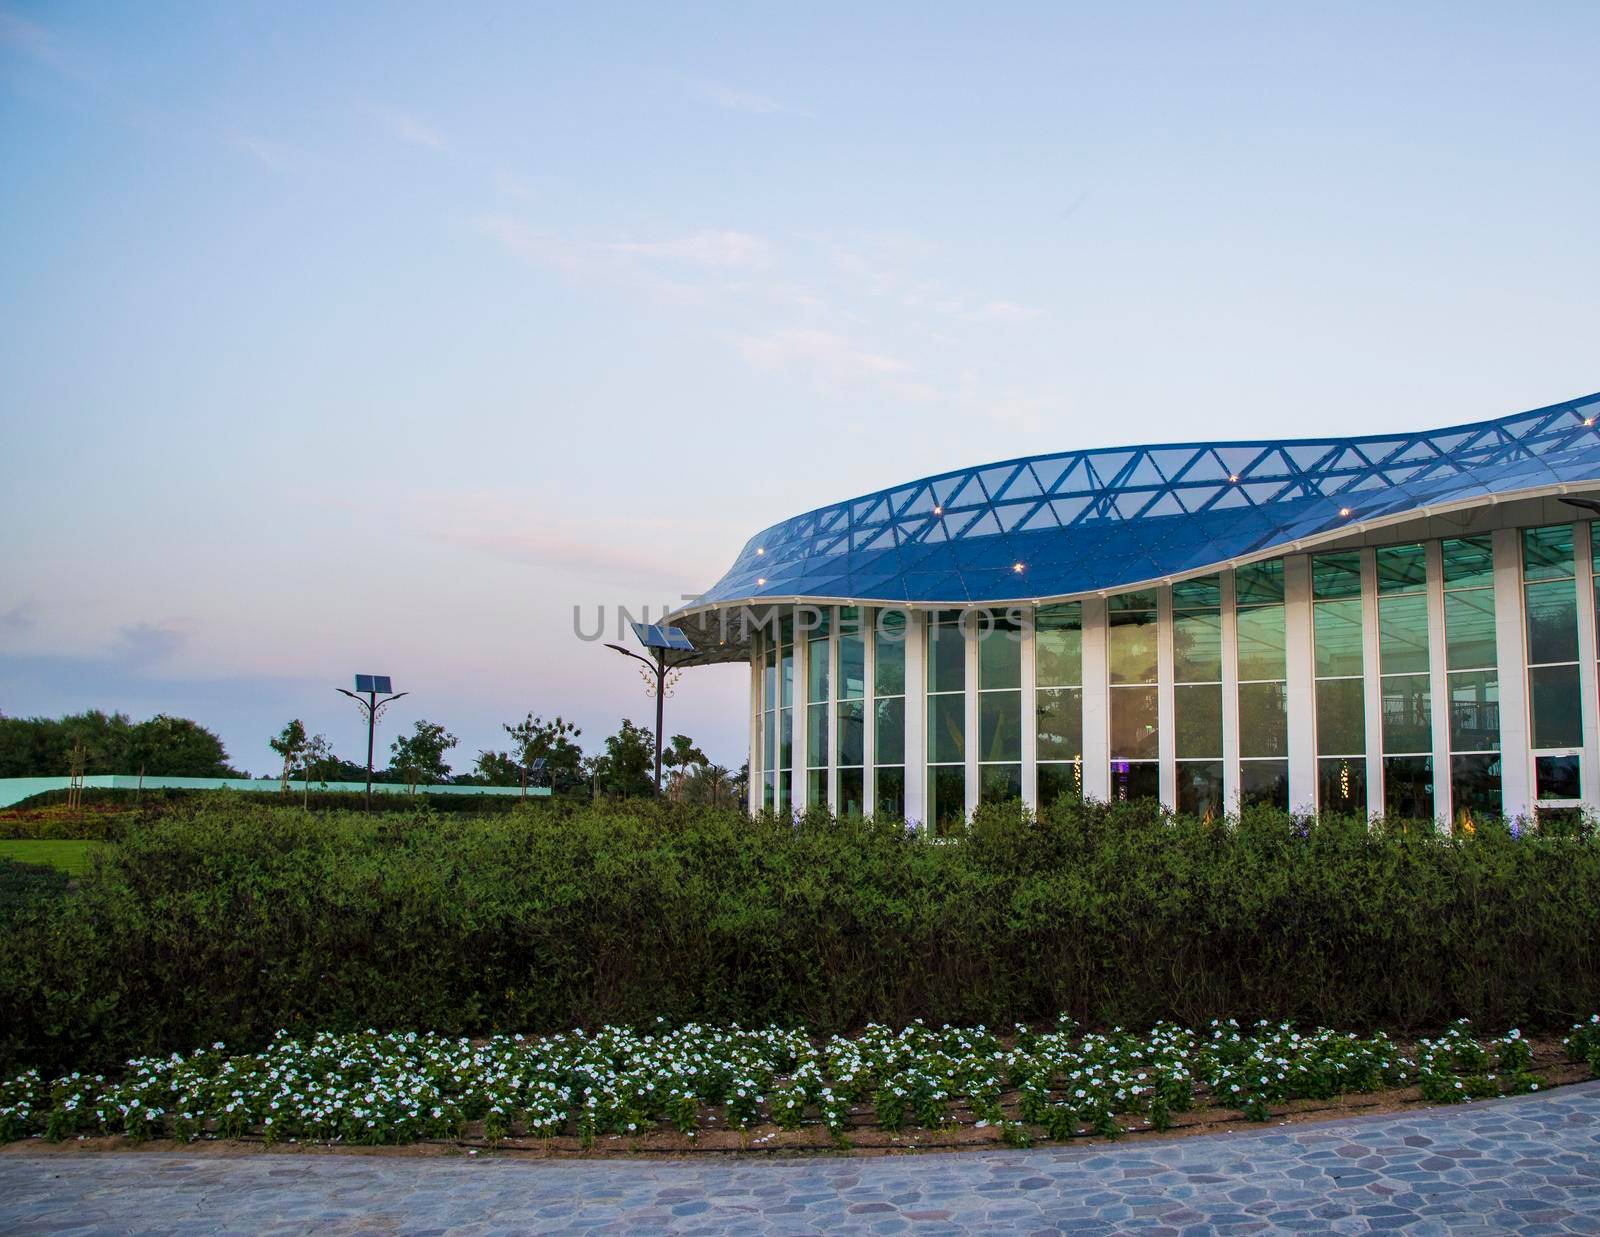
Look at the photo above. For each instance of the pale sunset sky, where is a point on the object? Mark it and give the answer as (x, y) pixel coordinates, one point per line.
(349, 337)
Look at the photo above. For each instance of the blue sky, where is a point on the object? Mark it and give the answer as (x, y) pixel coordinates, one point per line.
(339, 338)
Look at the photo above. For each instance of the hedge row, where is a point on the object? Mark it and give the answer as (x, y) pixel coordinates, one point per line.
(236, 920)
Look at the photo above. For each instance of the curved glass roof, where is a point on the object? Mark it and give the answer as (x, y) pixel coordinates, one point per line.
(1083, 521)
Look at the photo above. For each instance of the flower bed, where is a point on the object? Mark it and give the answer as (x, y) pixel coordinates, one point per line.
(1056, 1083)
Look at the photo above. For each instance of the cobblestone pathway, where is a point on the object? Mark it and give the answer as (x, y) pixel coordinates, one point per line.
(1529, 1165)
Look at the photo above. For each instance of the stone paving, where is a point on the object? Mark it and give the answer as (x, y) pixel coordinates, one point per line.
(1527, 1165)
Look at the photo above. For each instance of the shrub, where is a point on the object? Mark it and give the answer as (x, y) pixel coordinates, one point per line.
(232, 920)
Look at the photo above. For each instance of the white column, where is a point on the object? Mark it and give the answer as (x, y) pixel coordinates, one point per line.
(1030, 714)
(969, 648)
(1516, 757)
(1166, 702)
(1371, 682)
(917, 717)
(1589, 760)
(799, 783)
(1096, 704)
(1230, 696)
(1439, 687)
(835, 694)
(869, 710)
(1300, 684)
(752, 790)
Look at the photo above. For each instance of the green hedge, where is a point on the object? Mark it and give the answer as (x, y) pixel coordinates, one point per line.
(235, 920)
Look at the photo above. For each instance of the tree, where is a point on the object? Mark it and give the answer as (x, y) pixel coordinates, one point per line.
(289, 744)
(711, 785)
(177, 747)
(316, 757)
(420, 754)
(533, 738)
(496, 769)
(625, 768)
(680, 757)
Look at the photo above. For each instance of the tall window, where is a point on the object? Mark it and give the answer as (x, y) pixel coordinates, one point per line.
(784, 727)
(1197, 694)
(889, 711)
(999, 635)
(1550, 601)
(1405, 687)
(769, 723)
(1131, 658)
(852, 712)
(1471, 662)
(947, 720)
(1058, 701)
(816, 621)
(1341, 708)
(1263, 685)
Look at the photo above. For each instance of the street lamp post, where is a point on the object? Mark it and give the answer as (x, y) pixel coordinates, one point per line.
(659, 640)
(373, 685)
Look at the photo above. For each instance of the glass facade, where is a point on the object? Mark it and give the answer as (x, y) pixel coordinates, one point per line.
(1339, 660)
(1368, 679)
(1473, 679)
(1263, 684)
(1131, 658)
(1058, 701)
(1555, 711)
(947, 719)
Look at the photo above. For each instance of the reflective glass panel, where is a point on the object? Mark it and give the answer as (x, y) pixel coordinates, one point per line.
(817, 670)
(1058, 781)
(1547, 553)
(1135, 779)
(891, 736)
(1259, 583)
(1557, 777)
(999, 653)
(1342, 785)
(851, 782)
(1557, 716)
(1261, 643)
(1265, 782)
(1407, 715)
(1197, 647)
(947, 717)
(1263, 720)
(1475, 711)
(1408, 787)
(1058, 645)
(1200, 788)
(1552, 622)
(1341, 717)
(999, 783)
(1060, 712)
(1468, 561)
(817, 734)
(786, 677)
(1133, 723)
(852, 667)
(891, 791)
(1403, 633)
(1131, 646)
(817, 788)
(1197, 727)
(1201, 593)
(1338, 637)
(947, 656)
(999, 726)
(852, 721)
(1475, 788)
(1469, 629)
(1336, 575)
(947, 797)
(889, 653)
(1402, 569)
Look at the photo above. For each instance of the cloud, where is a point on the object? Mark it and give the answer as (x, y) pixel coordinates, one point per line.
(20, 618)
(275, 155)
(30, 39)
(409, 128)
(1007, 311)
(723, 249)
(833, 361)
(145, 644)
(732, 99)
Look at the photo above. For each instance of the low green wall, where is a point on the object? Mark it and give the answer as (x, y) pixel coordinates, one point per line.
(14, 790)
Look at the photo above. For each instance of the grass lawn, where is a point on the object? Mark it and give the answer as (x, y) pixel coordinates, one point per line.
(69, 856)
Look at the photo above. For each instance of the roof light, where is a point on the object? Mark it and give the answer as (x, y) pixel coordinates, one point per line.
(1344, 511)
(938, 511)
(1233, 477)
(1588, 420)
(1017, 567)
(761, 549)
(761, 583)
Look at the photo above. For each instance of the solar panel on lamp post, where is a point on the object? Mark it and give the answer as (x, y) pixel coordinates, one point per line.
(374, 685)
(660, 640)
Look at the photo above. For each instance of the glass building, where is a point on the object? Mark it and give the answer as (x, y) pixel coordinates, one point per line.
(1400, 625)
